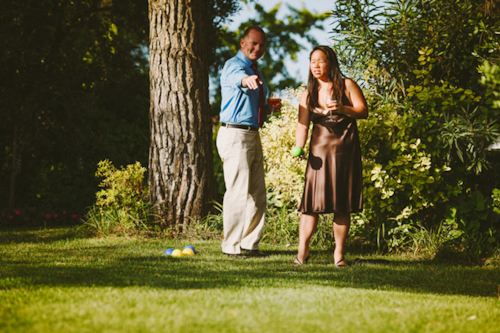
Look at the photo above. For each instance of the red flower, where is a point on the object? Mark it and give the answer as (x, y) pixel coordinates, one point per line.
(47, 216)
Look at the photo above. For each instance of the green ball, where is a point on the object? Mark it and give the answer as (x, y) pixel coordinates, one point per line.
(297, 151)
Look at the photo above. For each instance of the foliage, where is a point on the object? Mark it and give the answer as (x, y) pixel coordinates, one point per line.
(427, 89)
(76, 77)
(490, 78)
(401, 189)
(496, 200)
(442, 76)
(122, 205)
(208, 228)
(124, 187)
(77, 82)
(473, 226)
(400, 179)
(465, 127)
(281, 225)
(37, 219)
(392, 32)
(284, 174)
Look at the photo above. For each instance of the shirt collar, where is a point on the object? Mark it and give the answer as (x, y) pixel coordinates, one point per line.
(243, 58)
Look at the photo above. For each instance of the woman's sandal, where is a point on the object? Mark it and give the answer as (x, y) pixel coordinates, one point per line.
(297, 262)
(337, 264)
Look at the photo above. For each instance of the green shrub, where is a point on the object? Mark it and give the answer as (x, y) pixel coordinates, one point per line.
(462, 119)
(402, 183)
(124, 187)
(121, 206)
(284, 174)
(400, 180)
(472, 225)
(496, 200)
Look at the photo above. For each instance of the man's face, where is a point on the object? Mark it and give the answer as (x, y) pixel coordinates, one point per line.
(253, 45)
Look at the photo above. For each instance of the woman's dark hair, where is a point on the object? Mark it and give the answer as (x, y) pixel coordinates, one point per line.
(335, 76)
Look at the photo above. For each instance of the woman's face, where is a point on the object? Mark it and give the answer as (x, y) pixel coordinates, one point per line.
(320, 66)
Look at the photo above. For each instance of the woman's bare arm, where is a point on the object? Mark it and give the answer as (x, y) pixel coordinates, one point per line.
(359, 108)
(303, 122)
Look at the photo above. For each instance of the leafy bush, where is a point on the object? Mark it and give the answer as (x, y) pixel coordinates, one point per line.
(284, 174)
(473, 225)
(496, 200)
(399, 177)
(407, 186)
(490, 78)
(435, 92)
(465, 126)
(124, 187)
(121, 206)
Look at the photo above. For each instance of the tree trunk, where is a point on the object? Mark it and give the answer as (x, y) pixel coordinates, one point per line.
(181, 177)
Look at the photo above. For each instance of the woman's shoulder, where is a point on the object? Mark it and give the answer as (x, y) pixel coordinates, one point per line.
(350, 84)
(303, 98)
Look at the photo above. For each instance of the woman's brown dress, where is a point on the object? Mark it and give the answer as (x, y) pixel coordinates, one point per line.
(334, 179)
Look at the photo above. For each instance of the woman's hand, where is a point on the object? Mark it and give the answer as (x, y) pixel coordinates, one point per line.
(297, 152)
(329, 110)
(333, 107)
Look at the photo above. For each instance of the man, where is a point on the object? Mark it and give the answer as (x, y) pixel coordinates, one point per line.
(238, 142)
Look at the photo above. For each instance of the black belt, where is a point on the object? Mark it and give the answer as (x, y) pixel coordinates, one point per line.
(246, 127)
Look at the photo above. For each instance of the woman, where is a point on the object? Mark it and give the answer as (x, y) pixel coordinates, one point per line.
(333, 181)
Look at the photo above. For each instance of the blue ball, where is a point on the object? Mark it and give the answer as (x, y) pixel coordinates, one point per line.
(168, 252)
(190, 247)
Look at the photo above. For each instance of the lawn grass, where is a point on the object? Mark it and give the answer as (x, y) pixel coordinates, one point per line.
(52, 281)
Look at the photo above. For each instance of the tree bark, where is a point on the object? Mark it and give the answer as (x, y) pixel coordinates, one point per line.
(181, 177)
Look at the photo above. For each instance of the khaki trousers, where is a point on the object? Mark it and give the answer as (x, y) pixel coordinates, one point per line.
(244, 205)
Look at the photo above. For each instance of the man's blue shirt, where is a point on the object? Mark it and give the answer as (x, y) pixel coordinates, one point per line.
(239, 105)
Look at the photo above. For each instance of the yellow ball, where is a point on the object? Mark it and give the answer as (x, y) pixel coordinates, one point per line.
(177, 253)
(188, 252)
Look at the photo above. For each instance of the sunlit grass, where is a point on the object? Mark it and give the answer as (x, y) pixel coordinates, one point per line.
(52, 281)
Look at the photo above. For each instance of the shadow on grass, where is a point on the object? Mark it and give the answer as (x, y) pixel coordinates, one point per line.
(142, 264)
(104, 267)
(37, 235)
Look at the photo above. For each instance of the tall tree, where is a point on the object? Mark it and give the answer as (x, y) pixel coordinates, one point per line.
(181, 177)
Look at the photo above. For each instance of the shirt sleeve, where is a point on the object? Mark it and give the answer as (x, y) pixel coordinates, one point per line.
(235, 72)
